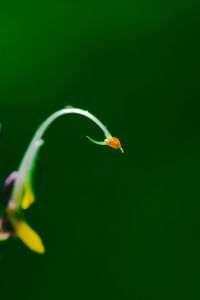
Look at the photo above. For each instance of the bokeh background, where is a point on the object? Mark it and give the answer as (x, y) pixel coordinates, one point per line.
(114, 226)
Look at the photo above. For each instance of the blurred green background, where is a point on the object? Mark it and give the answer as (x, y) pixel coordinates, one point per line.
(114, 226)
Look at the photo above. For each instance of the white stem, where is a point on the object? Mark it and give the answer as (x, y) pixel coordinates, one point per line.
(70, 110)
(27, 165)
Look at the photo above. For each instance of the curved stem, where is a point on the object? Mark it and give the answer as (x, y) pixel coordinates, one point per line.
(70, 110)
(27, 164)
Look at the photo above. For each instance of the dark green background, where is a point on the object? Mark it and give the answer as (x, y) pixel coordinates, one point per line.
(114, 226)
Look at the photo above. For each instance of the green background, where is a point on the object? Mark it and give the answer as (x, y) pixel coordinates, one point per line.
(114, 226)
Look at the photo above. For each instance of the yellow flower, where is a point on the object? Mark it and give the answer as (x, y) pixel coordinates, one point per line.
(18, 187)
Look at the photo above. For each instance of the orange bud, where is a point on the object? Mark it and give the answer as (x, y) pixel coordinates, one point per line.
(113, 142)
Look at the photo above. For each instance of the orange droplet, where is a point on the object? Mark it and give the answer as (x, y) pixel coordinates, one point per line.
(113, 142)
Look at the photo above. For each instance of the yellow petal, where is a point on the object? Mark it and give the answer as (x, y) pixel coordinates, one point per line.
(28, 236)
(28, 197)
